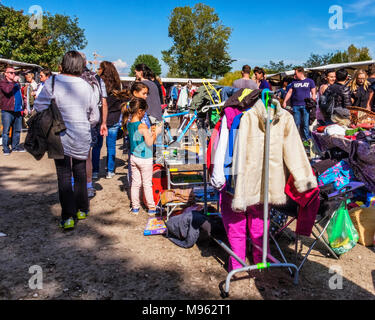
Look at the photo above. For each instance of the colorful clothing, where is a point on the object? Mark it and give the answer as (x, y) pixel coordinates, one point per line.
(341, 174)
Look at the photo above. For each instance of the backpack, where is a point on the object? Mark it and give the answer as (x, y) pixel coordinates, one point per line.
(94, 80)
(327, 103)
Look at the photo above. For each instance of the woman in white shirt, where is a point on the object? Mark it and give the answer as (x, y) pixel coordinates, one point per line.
(76, 101)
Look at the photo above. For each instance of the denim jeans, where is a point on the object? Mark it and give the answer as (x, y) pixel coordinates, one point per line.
(302, 115)
(96, 154)
(11, 119)
(227, 92)
(111, 147)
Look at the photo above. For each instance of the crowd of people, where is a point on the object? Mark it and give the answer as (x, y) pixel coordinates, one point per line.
(95, 106)
(329, 103)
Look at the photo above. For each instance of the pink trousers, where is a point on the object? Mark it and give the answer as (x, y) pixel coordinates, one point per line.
(236, 226)
(142, 170)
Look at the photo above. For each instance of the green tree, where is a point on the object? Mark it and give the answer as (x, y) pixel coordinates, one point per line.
(200, 43)
(276, 67)
(149, 60)
(229, 78)
(44, 46)
(317, 60)
(352, 54)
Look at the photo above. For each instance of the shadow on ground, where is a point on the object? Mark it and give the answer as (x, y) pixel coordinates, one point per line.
(77, 264)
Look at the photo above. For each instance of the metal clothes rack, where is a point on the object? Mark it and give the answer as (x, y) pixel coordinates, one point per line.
(267, 96)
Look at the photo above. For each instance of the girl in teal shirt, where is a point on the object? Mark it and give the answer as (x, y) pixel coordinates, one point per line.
(141, 140)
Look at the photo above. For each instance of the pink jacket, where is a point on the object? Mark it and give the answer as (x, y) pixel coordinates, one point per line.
(309, 203)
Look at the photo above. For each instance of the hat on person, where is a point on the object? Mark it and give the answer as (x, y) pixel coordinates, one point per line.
(342, 113)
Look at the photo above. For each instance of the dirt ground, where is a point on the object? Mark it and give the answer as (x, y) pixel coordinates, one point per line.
(107, 257)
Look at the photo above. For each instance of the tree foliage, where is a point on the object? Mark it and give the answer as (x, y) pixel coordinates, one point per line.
(276, 67)
(229, 78)
(352, 54)
(200, 43)
(317, 60)
(148, 59)
(45, 46)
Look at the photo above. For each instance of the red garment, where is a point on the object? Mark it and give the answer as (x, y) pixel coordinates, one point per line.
(321, 129)
(309, 204)
(211, 147)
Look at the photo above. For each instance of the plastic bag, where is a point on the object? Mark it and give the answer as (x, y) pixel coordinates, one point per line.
(342, 234)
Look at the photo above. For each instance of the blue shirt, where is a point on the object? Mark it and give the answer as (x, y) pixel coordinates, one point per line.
(264, 85)
(301, 91)
(17, 98)
(174, 93)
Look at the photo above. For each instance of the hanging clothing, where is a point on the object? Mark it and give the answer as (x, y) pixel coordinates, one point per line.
(202, 97)
(228, 163)
(218, 176)
(286, 148)
(183, 101)
(211, 149)
(231, 113)
(309, 204)
(243, 99)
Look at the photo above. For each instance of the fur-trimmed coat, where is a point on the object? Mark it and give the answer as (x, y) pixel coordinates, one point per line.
(286, 152)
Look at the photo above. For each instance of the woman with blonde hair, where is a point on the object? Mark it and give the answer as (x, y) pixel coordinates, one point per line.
(360, 89)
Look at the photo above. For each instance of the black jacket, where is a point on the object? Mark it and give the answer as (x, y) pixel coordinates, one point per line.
(183, 230)
(114, 110)
(361, 97)
(44, 133)
(342, 95)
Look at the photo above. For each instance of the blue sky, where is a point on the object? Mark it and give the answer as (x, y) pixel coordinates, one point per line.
(262, 30)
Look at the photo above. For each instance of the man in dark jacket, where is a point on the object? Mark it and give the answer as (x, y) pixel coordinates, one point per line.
(11, 106)
(340, 90)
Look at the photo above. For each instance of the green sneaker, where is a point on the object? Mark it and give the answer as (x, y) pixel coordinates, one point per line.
(67, 224)
(82, 215)
(306, 144)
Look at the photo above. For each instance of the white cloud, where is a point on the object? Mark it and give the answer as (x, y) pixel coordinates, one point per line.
(362, 8)
(119, 64)
(349, 25)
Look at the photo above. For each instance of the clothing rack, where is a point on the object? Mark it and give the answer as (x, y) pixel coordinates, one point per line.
(267, 96)
(212, 106)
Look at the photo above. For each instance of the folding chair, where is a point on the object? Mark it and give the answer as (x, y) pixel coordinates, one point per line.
(329, 204)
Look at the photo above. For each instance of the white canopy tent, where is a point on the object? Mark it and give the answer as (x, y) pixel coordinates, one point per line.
(18, 64)
(349, 66)
(172, 80)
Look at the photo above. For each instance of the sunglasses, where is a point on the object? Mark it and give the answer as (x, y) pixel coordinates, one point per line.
(10, 72)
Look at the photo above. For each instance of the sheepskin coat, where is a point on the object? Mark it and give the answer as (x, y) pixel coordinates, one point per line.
(286, 153)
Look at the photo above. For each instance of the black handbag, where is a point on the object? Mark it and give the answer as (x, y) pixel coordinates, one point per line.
(44, 131)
